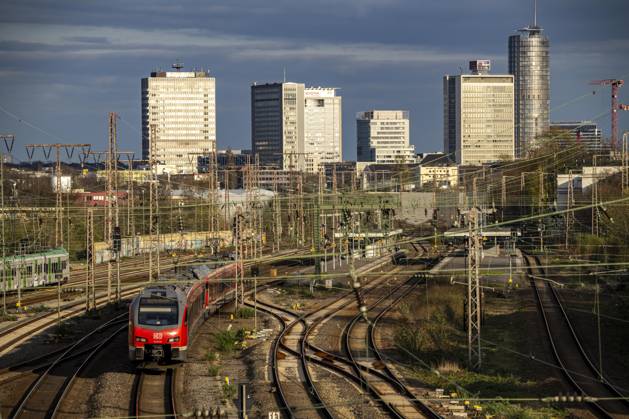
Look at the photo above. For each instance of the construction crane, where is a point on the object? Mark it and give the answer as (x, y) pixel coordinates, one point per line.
(615, 84)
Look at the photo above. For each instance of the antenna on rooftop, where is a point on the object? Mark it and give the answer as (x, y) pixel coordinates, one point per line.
(178, 65)
(534, 13)
(284, 74)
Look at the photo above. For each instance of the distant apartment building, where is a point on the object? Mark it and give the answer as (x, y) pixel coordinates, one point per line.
(277, 124)
(569, 134)
(179, 117)
(383, 137)
(323, 134)
(478, 116)
(437, 169)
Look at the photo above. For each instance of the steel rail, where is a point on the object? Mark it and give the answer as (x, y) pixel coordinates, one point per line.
(19, 409)
(54, 410)
(595, 406)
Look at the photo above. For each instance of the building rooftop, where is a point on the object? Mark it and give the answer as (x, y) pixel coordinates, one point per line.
(436, 159)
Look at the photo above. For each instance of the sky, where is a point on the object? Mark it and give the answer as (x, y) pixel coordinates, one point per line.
(65, 64)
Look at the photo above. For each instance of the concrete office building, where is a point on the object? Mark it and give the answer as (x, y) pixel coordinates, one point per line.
(277, 124)
(179, 108)
(383, 137)
(323, 137)
(478, 116)
(529, 63)
(569, 134)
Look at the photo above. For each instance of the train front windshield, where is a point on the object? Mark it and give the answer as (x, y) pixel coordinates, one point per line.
(158, 312)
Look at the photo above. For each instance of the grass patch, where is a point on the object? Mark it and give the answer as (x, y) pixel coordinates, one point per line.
(62, 330)
(229, 391)
(40, 308)
(226, 341)
(500, 409)
(211, 356)
(213, 370)
(7, 317)
(451, 378)
(245, 313)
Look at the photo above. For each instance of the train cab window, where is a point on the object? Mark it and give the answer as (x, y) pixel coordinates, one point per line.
(158, 311)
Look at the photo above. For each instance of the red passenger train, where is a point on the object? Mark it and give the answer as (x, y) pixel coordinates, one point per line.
(164, 318)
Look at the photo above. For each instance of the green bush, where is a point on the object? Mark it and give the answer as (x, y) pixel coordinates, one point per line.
(211, 356)
(229, 391)
(225, 341)
(504, 410)
(245, 313)
(213, 370)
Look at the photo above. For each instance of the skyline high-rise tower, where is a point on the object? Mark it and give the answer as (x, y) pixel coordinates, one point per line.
(277, 124)
(478, 116)
(323, 134)
(383, 137)
(181, 106)
(529, 63)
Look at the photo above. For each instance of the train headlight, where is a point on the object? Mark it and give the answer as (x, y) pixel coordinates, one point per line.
(140, 339)
(174, 339)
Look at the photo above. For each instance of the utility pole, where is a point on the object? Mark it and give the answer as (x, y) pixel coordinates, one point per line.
(9, 140)
(625, 161)
(153, 205)
(300, 205)
(595, 209)
(474, 290)
(212, 201)
(69, 149)
(90, 286)
(569, 204)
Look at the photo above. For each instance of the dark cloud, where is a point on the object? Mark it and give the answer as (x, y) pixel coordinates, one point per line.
(65, 64)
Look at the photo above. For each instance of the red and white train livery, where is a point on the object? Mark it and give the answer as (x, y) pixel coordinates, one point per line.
(164, 318)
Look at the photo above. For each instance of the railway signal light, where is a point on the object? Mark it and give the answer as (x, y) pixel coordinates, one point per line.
(117, 240)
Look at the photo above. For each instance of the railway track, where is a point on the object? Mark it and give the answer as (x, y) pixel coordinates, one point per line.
(154, 394)
(294, 341)
(569, 352)
(44, 396)
(385, 382)
(23, 330)
(129, 273)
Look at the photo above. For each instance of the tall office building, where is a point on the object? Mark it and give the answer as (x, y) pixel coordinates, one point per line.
(383, 137)
(478, 116)
(569, 134)
(529, 62)
(277, 124)
(323, 136)
(179, 110)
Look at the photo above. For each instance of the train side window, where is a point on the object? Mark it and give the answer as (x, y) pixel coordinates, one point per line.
(185, 317)
(64, 264)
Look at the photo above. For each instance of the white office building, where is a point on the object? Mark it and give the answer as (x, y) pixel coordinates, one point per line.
(323, 136)
(479, 116)
(179, 116)
(384, 137)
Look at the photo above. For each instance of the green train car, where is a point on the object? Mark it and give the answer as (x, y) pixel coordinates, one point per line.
(36, 269)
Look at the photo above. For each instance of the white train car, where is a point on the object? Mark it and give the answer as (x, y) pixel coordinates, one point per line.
(36, 269)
